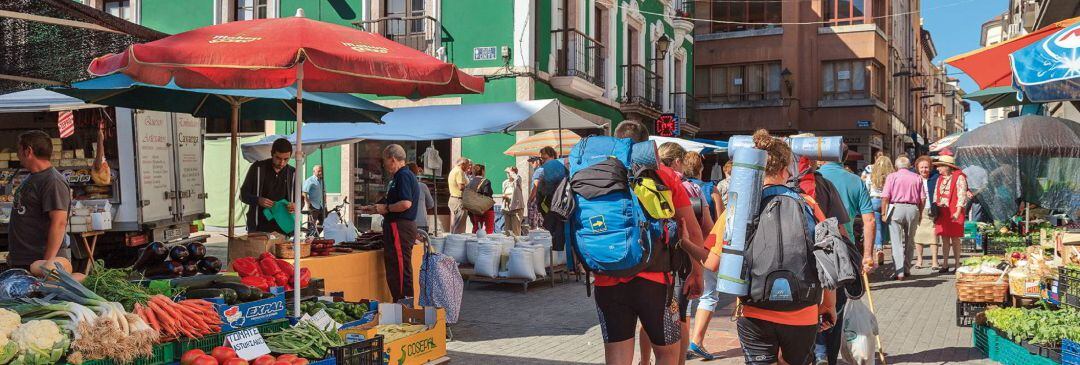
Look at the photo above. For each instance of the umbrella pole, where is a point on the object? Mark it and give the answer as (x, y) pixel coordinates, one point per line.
(435, 182)
(232, 165)
(297, 184)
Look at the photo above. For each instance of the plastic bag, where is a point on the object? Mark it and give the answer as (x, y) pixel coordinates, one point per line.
(487, 259)
(860, 327)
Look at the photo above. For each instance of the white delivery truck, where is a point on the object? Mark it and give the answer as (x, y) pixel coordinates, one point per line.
(156, 191)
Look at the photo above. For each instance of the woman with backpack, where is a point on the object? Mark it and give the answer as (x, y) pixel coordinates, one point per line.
(480, 184)
(767, 334)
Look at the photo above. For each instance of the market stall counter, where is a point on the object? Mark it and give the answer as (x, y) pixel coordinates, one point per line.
(359, 274)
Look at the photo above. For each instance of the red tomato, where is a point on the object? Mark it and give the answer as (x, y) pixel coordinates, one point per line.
(264, 360)
(205, 360)
(279, 362)
(300, 361)
(190, 356)
(287, 357)
(223, 354)
(235, 361)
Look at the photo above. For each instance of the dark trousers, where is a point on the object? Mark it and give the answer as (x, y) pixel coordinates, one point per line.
(398, 238)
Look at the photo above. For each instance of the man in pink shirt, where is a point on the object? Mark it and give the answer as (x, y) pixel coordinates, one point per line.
(901, 208)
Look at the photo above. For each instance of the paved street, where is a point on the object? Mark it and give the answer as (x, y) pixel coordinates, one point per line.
(502, 325)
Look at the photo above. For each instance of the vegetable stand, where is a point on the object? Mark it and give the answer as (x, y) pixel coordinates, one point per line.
(359, 275)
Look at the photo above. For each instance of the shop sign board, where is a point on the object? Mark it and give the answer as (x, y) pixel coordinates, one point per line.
(484, 53)
(863, 124)
(242, 315)
(668, 126)
(876, 142)
(155, 165)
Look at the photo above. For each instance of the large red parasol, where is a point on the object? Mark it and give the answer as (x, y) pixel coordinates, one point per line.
(989, 66)
(285, 52)
(265, 53)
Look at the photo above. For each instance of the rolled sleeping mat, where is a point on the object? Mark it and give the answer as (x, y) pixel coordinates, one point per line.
(736, 143)
(744, 195)
(818, 148)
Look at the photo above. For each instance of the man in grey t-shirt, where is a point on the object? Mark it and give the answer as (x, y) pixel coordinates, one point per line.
(39, 212)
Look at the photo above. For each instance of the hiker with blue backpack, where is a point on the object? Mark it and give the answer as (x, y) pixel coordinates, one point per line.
(787, 302)
(631, 224)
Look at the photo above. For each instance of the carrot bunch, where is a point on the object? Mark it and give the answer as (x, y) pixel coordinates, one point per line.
(192, 318)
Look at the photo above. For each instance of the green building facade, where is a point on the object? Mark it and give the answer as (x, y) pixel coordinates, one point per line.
(609, 60)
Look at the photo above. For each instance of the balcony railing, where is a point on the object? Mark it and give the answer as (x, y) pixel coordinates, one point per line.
(642, 87)
(580, 56)
(422, 33)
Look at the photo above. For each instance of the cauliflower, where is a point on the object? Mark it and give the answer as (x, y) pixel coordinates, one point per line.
(9, 321)
(39, 342)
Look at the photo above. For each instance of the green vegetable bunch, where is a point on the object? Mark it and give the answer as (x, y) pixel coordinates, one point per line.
(980, 260)
(1041, 327)
(115, 286)
(305, 340)
(341, 312)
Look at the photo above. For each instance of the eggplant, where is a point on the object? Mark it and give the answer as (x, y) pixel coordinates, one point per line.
(153, 253)
(209, 265)
(190, 268)
(178, 253)
(196, 251)
(167, 269)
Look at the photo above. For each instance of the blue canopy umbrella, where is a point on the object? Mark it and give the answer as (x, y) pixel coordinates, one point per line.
(1049, 69)
(278, 104)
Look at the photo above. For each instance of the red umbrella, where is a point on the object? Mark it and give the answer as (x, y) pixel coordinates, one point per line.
(989, 66)
(282, 52)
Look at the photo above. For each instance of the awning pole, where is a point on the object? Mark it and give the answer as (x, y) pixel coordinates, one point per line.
(435, 182)
(235, 104)
(297, 187)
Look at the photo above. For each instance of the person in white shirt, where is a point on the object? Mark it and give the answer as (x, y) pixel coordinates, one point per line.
(513, 204)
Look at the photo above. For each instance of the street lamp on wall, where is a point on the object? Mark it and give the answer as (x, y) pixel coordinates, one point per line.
(786, 76)
(662, 46)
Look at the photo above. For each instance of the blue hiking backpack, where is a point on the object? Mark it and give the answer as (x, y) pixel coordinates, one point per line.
(609, 230)
(707, 188)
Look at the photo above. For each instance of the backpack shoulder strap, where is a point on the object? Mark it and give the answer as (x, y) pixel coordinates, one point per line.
(814, 207)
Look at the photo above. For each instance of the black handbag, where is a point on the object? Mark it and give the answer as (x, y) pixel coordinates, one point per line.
(933, 210)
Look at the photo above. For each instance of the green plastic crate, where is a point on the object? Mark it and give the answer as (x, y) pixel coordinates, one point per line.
(164, 353)
(1007, 352)
(981, 338)
(210, 342)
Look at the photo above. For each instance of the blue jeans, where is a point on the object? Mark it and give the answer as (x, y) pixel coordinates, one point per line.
(709, 295)
(828, 342)
(879, 227)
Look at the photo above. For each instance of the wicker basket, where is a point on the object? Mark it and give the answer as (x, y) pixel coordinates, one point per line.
(982, 292)
(284, 250)
(979, 278)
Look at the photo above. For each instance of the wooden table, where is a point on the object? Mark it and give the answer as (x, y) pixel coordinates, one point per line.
(88, 240)
(359, 274)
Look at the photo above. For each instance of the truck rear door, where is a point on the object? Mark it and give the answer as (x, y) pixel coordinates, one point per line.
(189, 161)
(155, 167)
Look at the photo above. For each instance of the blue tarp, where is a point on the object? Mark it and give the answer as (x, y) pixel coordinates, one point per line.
(1049, 69)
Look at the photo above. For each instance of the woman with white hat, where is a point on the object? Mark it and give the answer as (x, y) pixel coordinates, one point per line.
(951, 198)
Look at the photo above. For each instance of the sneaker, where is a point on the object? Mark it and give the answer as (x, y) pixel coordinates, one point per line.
(700, 351)
(880, 257)
(821, 362)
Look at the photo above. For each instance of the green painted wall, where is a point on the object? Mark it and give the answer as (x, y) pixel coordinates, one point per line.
(171, 16)
(331, 161)
(331, 11)
(488, 149)
(477, 23)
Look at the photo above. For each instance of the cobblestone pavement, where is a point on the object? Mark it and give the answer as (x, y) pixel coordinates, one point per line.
(502, 325)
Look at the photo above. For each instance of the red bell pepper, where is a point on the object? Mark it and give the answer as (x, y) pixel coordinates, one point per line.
(256, 282)
(269, 266)
(266, 255)
(285, 266)
(281, 279)
(246, 266)
(305, 277)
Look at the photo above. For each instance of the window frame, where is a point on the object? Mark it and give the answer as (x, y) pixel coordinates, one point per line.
(236, 9)
(873, 82)
(729, 92)
(771, 12)
(129, 9)
(831, 10)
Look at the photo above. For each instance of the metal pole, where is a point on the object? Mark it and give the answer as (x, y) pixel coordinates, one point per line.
(232, 165)
(435, 192)
(297, 184)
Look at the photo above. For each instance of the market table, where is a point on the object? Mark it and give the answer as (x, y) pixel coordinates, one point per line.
(359, 274)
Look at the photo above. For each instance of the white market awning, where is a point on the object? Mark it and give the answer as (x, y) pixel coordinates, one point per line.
(40, 100)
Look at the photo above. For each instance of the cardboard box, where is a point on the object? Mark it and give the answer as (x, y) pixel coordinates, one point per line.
(420, 348)
(67, 154)
(79, 153)
(253, 244)
(56, 140)
(238, 316)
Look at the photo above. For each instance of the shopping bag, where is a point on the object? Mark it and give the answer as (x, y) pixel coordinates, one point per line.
(476, 203)
(860, 327)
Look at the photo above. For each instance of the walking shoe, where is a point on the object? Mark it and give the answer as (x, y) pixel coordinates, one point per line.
(880, 257)
(821, 362)
(700, 351)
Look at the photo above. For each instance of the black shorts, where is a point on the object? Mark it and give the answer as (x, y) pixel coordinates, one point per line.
(682, 299)
(621, 306)
(762, 340)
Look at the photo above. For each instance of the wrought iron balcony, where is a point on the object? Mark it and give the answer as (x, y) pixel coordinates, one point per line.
(642, 88)
(422, 33)
(580, 62)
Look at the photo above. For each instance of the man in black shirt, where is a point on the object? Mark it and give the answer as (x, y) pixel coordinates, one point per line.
(39, 212)
(398, 209)
(267, 182)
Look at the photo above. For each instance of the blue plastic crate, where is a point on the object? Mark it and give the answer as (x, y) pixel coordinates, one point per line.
(1070, 352)
(327, 361)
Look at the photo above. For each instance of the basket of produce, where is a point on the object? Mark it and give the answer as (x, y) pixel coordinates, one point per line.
(982, 292)
(157, 261)
(981, 280)
(349, 315)
(1031, 336)
(1032, 265)
(980, 269)
(307, 340)
(284, 250)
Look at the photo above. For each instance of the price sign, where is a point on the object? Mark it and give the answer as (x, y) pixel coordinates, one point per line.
(323, 320)
(248, 344)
